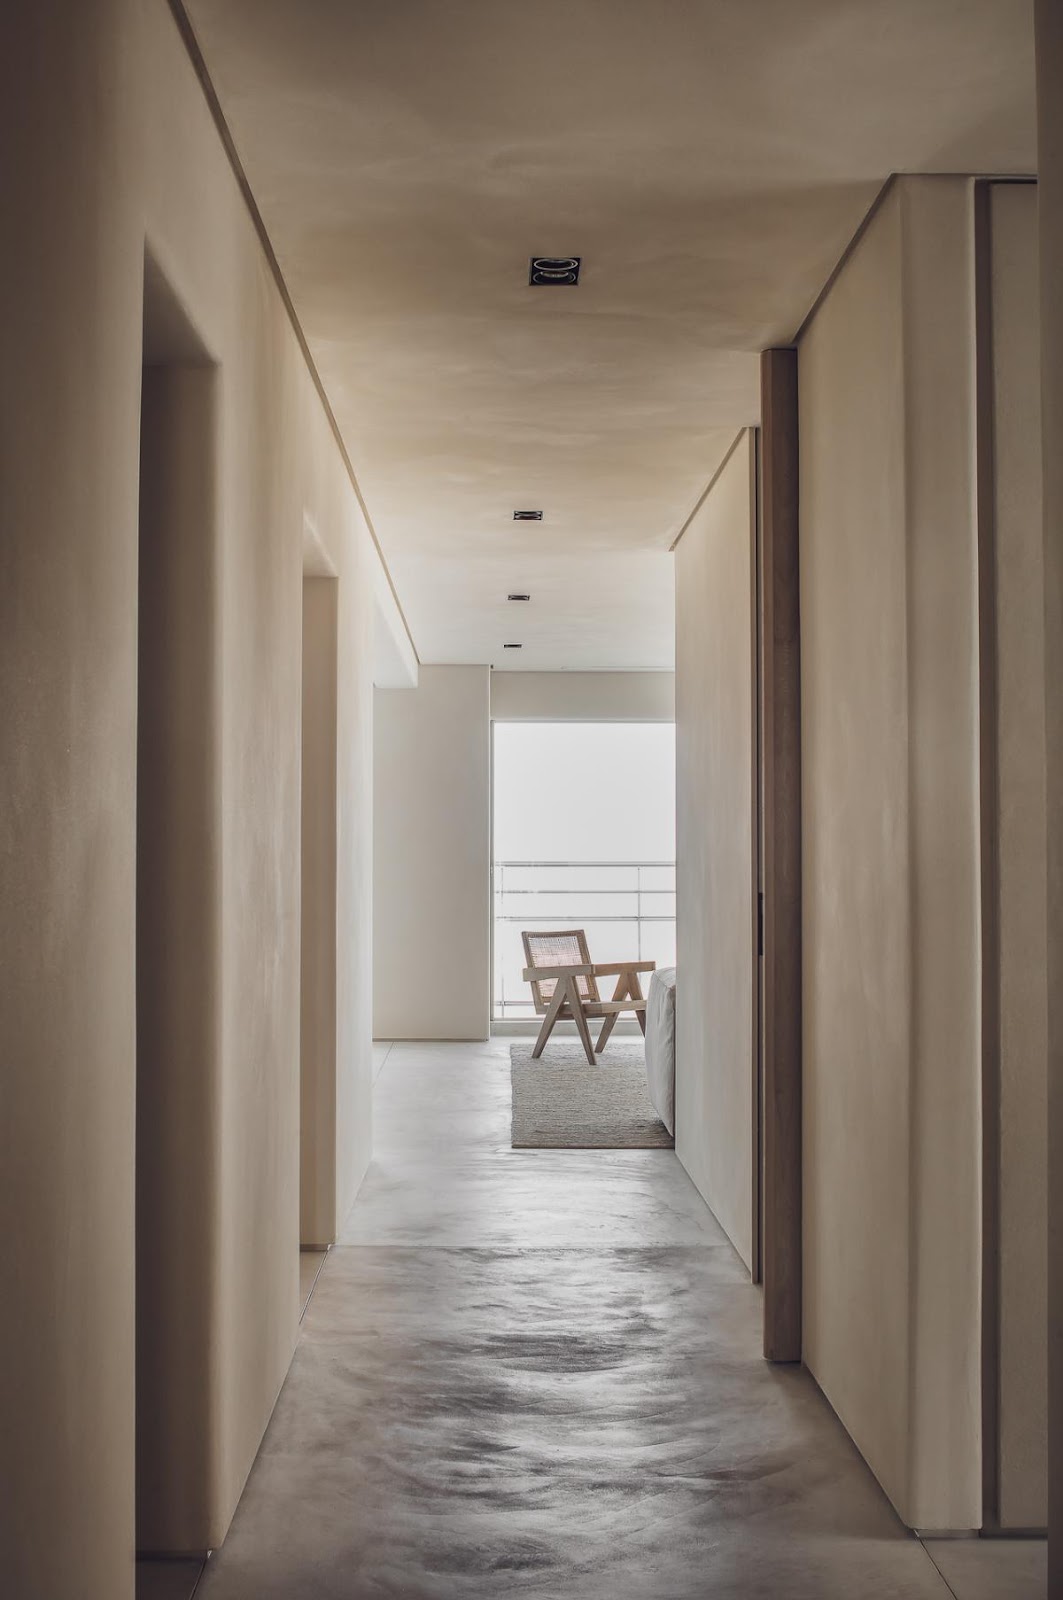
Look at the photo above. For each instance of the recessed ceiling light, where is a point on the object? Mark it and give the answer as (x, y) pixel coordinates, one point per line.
(547, 272)
(527, 516)
(513, 647)
(518, 596)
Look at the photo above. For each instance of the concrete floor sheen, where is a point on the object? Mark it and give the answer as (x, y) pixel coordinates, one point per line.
(538, 1374)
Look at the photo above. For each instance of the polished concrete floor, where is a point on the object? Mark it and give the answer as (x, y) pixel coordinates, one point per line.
(536, 1374)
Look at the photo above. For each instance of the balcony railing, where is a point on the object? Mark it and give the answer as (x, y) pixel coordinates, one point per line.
(626, 907)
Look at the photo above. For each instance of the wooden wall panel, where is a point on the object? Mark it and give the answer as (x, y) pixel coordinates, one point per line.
(780, 810)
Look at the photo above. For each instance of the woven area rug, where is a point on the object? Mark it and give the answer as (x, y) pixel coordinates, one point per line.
(561, 1103)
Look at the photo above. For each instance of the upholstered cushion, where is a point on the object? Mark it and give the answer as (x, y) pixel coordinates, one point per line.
(660, 1045)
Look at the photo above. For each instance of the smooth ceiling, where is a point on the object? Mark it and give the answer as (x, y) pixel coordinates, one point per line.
(709, 159)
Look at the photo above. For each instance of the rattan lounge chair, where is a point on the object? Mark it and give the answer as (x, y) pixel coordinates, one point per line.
(563, 984)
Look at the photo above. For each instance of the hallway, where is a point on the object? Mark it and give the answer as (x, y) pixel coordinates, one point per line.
(385, 383)
(492, 1393)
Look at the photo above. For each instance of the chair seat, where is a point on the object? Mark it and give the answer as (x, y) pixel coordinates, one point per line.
(598, 1008)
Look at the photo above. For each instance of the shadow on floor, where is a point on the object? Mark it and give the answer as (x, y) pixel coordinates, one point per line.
(167, 1580)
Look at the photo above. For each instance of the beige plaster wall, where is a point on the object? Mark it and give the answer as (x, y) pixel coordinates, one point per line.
(432, 857)
(1023, 1041)
(358, 567)
(890, 853)
(68, 515)
(583, 696)
(112, 127)
(715, 870)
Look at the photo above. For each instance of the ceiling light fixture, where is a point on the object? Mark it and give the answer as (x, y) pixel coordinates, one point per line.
(554, 272)
(513, 647)
(527, 516)
(518, 596)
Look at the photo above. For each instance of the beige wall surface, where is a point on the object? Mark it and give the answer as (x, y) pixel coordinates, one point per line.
(855, 850)
(432, 857)
(1023, 1039)
(108, 120)
(715, 871)
(358, 568)
(583, 696)
(890, 853)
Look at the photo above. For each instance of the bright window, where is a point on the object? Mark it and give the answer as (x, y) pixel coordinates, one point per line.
(584, 837)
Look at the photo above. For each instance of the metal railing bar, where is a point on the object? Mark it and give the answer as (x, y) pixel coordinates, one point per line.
(586, 892)
(634, 865)
(526, 920)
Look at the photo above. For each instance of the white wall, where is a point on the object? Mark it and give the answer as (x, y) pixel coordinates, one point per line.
(891, 1000)
(583, 696)
(715, 904)
(1021, 809)
(432, 857)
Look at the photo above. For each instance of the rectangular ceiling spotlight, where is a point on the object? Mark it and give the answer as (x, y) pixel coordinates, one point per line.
(554, 272)
(527, 516)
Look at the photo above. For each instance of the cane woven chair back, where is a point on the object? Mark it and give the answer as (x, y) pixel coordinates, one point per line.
(565, 949)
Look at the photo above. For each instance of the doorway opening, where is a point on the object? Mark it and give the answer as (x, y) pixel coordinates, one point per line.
(177, 882)
(318, 974)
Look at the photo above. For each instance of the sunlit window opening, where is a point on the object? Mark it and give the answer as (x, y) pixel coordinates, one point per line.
(584, 837)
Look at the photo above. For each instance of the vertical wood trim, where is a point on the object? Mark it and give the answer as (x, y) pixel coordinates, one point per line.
(989, 858)
(756, 1233)
(1048, 34)
(780, 804)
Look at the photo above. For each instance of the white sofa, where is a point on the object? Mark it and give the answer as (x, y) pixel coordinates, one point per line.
(660, 1045)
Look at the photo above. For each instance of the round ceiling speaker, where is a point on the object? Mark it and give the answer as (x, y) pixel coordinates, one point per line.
(550, 271)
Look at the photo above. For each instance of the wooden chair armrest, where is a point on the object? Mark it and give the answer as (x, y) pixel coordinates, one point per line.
(613, 969)
(535, 974)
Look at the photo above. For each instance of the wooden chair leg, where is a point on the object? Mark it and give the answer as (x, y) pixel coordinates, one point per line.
(621, 992)
(635, 991)
(552, 1011)
(607, 1028)
(579, 1016)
